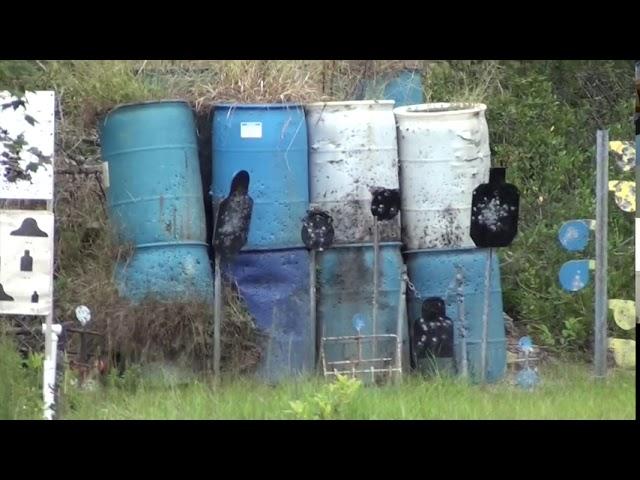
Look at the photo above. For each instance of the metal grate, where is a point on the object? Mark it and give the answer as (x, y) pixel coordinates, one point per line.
(375, 366)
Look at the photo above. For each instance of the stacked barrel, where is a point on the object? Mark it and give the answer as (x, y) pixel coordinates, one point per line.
(271, 271)
(405, 87)
(330, 155)
(353, 149)
(444, 155)
(155, 201)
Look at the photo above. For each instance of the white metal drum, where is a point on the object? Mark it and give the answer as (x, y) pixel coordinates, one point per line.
(352, 148)
(444, 155)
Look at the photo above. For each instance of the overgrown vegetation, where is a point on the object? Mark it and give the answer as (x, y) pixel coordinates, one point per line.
(566, 392)
(542, 118)
(20, 382)
(328, 402)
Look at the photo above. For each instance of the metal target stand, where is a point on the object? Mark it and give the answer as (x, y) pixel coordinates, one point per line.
(375, 366)
(391, 367)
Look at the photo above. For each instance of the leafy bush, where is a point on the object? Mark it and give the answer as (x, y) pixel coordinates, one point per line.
(20, 383)
(329, 402)
(542, 120)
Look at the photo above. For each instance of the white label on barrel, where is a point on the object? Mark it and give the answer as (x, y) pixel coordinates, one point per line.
(251, 130)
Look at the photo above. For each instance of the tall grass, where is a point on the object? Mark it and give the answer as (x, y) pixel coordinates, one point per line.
(567, 392)
(20, 385)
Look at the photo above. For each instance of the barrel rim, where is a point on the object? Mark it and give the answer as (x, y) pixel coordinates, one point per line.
(361, 245)
(452, 250)
(149, 102)
(171, 244)
(345, 103)
(248, 106)
(454, 108)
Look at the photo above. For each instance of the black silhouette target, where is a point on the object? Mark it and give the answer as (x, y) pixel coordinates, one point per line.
(385, 203)
(29, 228)
(26, 262)
(234, 217)
(433, 331)
(4, 296)
(317, 230)
(494, 211)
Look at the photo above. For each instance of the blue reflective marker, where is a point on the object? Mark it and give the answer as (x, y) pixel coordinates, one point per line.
(358, 322)
(574, 275)
(574, 235)
(525, 344)
(527, 379)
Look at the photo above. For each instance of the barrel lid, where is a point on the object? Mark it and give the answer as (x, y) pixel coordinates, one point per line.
(269, 106)
(364, 245)
(442, 108)
(349, 103)
(184, 243)
(149, 102)
(444, 250)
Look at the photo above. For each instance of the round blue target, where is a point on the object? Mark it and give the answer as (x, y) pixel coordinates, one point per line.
(574, 275)
(574, 235)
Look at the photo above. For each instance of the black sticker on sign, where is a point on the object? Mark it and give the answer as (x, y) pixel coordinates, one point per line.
(4, 297)
(29, 228)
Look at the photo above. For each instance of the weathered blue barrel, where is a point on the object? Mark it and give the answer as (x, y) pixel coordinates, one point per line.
(155, 201)
(405, 88)
(269, 142)
(345, 290)
(168, 271)
(433, 274)
(155, 191)
(275, 288)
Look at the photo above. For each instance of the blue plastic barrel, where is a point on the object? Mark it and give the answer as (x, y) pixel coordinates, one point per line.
(156, 203)
(433, 274)
(405, 88)
(155, 191)
(275, 287)
(269, 142)
(168, 272)
(345, 291)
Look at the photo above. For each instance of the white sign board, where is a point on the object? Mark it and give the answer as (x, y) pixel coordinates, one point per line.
(26, 249)
(32, 125)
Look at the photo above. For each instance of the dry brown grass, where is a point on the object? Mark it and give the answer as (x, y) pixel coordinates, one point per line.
(151, 331)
